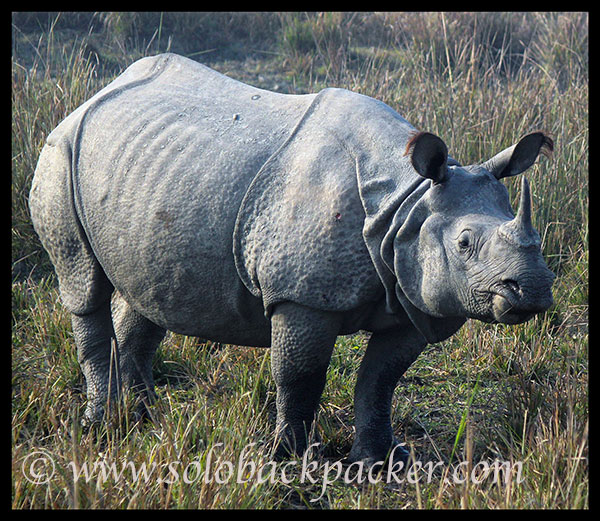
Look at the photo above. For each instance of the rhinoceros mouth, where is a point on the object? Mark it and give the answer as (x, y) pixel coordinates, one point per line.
(505, 310)
(501, 306)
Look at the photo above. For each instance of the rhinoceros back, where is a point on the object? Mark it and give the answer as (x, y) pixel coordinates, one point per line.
(161, 162)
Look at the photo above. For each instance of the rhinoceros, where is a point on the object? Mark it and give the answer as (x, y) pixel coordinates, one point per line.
(180, 199)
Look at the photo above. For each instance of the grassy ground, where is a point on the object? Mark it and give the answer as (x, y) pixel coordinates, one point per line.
(491, 393)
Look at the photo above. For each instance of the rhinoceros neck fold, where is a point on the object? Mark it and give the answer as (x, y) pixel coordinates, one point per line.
(393, 197)
(383, 219)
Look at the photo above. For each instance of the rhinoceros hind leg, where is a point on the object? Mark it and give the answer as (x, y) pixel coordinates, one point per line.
(137, 342)
(302, 340)
(389, 354)
(93, 334)
(84, 288)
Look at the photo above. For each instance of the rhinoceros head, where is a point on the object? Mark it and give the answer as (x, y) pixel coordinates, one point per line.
(473, 256)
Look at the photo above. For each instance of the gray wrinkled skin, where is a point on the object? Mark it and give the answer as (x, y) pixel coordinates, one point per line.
(180, 199)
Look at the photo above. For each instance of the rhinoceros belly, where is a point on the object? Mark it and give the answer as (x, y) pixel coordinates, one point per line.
(159, 174)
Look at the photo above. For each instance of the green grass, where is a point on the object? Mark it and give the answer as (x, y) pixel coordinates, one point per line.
(516, 394)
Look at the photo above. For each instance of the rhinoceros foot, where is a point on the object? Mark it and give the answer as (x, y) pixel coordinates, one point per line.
(372, 454)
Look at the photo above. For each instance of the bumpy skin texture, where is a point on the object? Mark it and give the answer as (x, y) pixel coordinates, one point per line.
(138, 339)
(389, 354)
(212, 208)
(302, 342)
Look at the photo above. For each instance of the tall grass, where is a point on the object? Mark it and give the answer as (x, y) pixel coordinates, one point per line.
(55, 83)
(517, 394)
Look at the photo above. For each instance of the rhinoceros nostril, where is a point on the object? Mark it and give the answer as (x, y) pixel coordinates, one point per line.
(512, 285)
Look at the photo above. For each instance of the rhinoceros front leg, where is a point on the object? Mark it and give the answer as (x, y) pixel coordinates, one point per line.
(137, 342)
(389, 354)
(302, 340)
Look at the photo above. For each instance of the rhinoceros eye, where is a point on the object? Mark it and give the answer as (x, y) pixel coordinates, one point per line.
(464, 240)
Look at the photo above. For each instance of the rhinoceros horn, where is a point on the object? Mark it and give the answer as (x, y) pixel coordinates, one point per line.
(519, 230)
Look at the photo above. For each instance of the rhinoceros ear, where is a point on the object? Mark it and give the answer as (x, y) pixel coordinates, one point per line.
(428, 155)
(520, 157)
